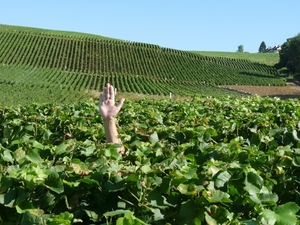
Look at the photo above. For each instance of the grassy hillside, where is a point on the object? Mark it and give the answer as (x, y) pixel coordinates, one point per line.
(33, 30)
(67, 63)
(265, 58)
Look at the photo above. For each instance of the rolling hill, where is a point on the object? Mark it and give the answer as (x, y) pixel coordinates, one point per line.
(38, 65)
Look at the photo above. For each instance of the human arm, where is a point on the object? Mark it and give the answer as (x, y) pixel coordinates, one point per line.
(108, 110)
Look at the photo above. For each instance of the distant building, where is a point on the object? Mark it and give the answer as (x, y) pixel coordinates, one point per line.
(275, 49)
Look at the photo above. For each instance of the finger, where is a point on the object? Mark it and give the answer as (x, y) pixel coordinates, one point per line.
(111, 92)
(106, 91)
(101, 100)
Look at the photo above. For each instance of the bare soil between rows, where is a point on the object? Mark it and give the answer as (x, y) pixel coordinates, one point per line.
(292, 90)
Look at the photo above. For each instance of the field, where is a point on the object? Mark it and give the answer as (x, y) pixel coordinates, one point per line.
(292, 90)
(268, 59)
(220, 151)
(46, 60)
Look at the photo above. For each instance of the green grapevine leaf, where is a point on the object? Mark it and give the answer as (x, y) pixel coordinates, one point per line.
(19, 155)
(34, 156)
(61, 149)
(5, 183)
(79, 167)
(8, 199)
(153, 138)
(287, 213)
(54, 183)
(146, 169)
(6, 156)
(295, 135)
(282, 215)
(37, 145)
(32, 216)
(268, 217)
(217, 196)
(63, 218)
(254, 179)
(222, 178)
(115, 186)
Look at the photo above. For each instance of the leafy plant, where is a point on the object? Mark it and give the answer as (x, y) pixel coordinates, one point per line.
(204, 161)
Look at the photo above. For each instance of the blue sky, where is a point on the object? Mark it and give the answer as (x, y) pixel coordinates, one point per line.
(204, 25)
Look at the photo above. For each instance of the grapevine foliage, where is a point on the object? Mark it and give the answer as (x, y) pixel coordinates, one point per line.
(205, 161)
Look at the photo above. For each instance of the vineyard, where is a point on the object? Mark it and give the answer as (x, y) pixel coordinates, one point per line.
(217, 157)
(204, 161)
(67, 61)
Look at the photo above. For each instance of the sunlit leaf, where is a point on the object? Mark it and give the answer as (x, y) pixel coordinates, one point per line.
(19, 155)
(32, 216)
(63, 218)
(222, 178)
(217, 196)
(146, 169)
(60, 149)
(6, 156)
(282, 215)
(295, 135)
(287, 213)
(157, 214)
(34, 156)
(153, 138)
(37, 145)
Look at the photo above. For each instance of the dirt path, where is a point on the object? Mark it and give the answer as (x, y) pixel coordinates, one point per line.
(292, 90)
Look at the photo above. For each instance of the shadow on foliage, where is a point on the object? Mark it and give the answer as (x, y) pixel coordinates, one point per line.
(287, 96)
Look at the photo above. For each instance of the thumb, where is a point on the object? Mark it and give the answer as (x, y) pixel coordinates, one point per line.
(120, 104)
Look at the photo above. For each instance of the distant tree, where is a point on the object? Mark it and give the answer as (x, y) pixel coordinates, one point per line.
(262, 47)
(289, 56)
(240, 48)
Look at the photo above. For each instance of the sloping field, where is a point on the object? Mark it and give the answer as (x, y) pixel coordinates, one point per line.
(70, 61)
(264, 58)
(292, 90)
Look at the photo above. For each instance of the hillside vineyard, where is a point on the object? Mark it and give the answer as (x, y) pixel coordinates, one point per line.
(202, 160)
(73, 61)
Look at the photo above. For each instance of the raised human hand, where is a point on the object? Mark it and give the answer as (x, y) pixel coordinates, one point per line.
(107, 107)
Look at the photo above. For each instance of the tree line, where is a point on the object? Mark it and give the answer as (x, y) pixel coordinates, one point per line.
(289, 56)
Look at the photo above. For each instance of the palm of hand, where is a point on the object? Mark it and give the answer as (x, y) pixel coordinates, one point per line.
(107, 106)
(108, 109)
